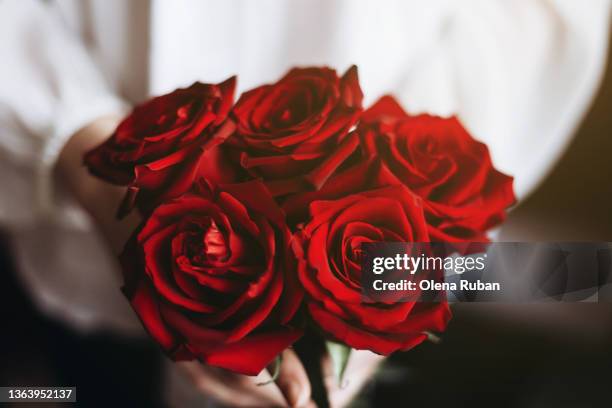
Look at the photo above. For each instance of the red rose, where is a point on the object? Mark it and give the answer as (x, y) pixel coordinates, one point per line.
(362, 175)
(212, 278)
(329, 253)
(293, 133)
(159, 148)
(463, 194)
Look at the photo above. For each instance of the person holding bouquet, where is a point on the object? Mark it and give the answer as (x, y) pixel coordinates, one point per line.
(519, 76)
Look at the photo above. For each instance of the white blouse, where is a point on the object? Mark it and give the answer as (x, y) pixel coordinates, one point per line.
(519, 73)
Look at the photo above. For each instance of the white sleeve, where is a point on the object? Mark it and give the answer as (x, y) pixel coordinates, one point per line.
(49, 88)
(520, 74)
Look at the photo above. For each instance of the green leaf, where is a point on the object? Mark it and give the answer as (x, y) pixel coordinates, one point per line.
(432, 337)
(339, 354)
(274, 372)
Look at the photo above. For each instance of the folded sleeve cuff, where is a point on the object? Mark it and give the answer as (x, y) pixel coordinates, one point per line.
(69, 121)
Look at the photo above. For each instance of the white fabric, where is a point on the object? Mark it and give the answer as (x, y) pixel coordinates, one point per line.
(519, 73)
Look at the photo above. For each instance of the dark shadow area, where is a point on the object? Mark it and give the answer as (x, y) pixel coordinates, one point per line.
(108, 371)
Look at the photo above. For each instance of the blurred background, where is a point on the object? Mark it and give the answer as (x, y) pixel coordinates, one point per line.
(540, 355)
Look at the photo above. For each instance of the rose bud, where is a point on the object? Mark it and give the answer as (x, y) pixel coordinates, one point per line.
(212, 278)
(329, 258)
(158, 150)
(463, 194)
(295, 133)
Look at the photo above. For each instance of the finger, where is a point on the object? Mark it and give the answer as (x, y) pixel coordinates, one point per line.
(361, 367)
(233, 389)
(260, 385)
(292, 380)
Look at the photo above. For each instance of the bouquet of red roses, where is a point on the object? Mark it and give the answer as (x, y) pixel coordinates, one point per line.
(254, 213)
